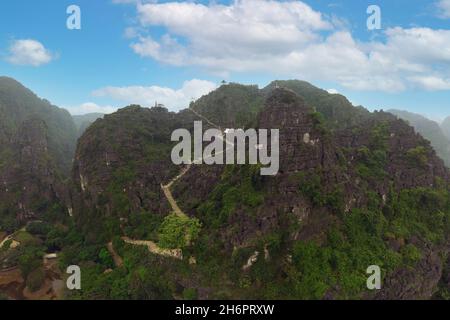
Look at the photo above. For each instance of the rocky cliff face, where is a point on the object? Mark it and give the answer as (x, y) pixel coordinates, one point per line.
(31, 185)
(324, 174)
(340, 159)
(18, 104)
(121, 162)
(37, 148)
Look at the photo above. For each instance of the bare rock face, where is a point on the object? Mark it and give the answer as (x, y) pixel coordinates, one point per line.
(30, 184)
(37, 143)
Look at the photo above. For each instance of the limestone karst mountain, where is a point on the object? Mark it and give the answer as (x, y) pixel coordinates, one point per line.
(37, 146)
(355, 188)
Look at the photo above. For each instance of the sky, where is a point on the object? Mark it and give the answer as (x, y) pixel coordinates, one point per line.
(173, 52)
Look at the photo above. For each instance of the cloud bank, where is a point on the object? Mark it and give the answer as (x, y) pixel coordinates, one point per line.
(173, 99)
(290, 39)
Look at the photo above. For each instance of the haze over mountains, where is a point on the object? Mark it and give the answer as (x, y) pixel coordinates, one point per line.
(82, 122)
(355, 188)
(439, 135)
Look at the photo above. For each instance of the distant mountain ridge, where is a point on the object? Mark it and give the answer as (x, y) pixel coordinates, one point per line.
(445, 126)
(430, 130)
(18, 104)
(82, 122)
(37, 145)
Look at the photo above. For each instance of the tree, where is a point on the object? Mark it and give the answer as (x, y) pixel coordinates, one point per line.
(30, 260)
(178, 231)
(105, 258)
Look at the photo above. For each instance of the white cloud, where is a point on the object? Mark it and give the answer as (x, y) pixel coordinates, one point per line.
(333, 91)
(168, 50)
(251, 28)
(444, 8)
(432, 83)
(29, 52)
(173, 99)
(290, 39)
(90, 107)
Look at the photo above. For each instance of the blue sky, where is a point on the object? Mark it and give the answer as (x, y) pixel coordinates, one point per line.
(138, 52)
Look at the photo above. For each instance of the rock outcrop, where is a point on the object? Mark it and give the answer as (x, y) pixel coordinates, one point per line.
(38, 142)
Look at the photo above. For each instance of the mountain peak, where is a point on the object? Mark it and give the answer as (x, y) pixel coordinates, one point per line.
(284, 96)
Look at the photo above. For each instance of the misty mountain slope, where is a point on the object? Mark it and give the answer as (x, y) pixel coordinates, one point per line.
(82, 122)
(429, 130)
(445, 126)
(38, 142)
(18, 104)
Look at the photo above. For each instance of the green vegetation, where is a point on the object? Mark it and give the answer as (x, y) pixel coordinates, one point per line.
(232, 105)
(312, 187)
(337, 266)
(178, 231)
(6, 245)
(143, 225)
(25, 238)
(418, 155)
(310, 244)
(372, 159)
(336, 110)
(30, 259)
(190, 294)
(239, 188)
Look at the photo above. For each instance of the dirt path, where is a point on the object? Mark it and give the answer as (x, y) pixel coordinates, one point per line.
(118, 261)
(166, 188)
(14, 243)
(206, 119)
(154, 248)
(168, 193)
